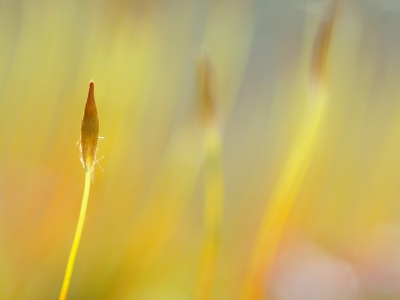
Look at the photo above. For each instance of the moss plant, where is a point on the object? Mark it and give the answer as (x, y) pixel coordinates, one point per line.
(295, 168)
(88, 147)
(214, 188)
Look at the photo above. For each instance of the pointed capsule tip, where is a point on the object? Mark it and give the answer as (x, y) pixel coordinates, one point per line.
(91, 88)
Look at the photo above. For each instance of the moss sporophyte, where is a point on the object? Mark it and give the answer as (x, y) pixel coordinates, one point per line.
(88, 148)
(214, 183)
(280, 202)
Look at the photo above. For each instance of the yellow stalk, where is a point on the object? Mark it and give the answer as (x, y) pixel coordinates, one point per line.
(214, 191)
(77, 238)
(295, 168)
(281, 201)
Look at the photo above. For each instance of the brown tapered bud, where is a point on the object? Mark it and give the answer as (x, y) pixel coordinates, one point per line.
(205, 77)
(89, 131)
(322, 44)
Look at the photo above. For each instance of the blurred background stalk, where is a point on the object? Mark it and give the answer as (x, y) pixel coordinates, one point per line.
(214, 182)
(296, 166)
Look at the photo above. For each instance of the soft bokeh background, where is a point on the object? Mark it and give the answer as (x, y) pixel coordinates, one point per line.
(143, 232)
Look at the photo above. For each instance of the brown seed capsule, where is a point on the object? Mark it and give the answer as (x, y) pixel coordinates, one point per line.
(89, 131)
(322, 44)
(205, 76)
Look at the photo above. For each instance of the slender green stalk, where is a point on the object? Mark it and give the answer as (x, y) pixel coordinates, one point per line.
(77, 237)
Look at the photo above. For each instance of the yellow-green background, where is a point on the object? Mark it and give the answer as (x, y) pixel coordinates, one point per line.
(143, 232)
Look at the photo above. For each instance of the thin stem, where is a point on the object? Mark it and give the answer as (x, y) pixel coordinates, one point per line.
(282, 199)
(214, 197)
(77, 237)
